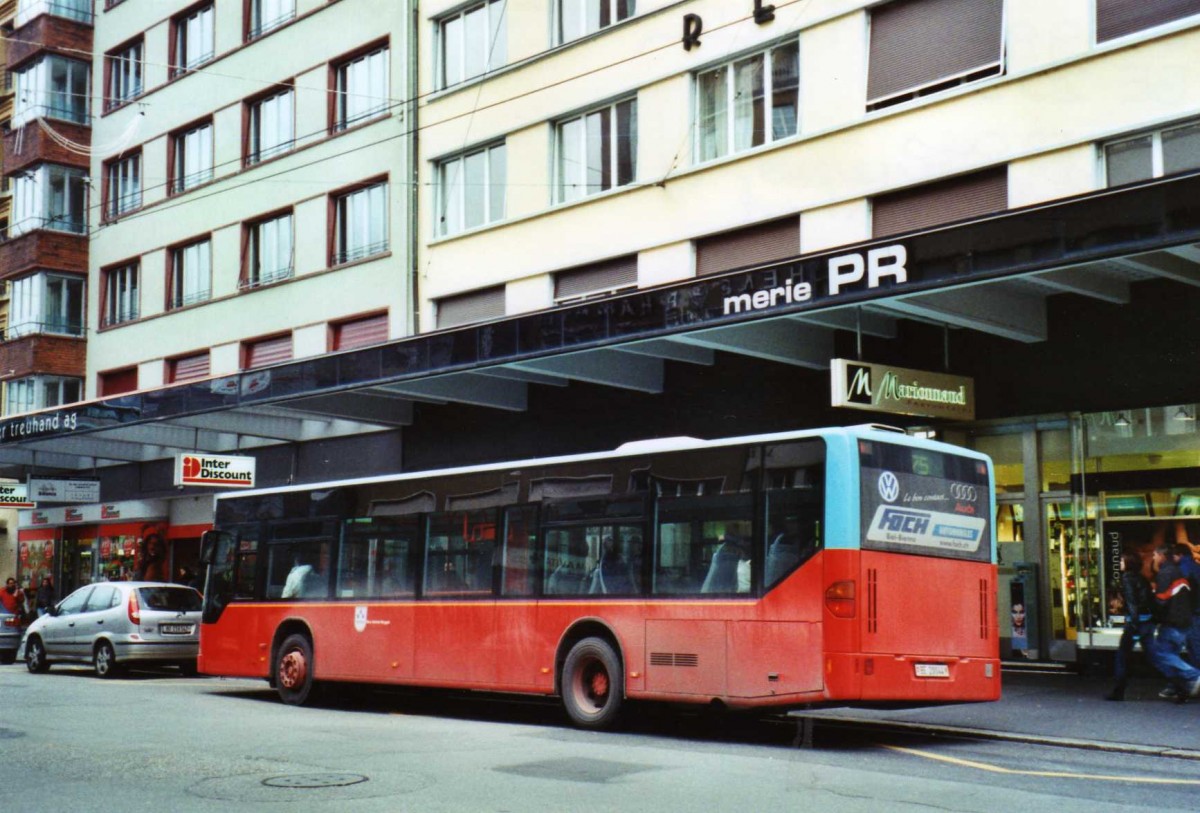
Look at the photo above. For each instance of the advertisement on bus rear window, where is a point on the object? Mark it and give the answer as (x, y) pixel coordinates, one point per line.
(924, 502)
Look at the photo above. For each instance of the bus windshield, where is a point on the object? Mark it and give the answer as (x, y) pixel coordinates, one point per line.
(922, 501)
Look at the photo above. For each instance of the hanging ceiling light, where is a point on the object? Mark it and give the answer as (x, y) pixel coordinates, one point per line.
(1183, 414)
(1122, 420)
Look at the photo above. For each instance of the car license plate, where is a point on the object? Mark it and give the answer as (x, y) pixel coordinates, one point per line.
(933, 670)
(175, 629)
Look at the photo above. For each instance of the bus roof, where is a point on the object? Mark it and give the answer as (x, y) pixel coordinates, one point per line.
(650, 445)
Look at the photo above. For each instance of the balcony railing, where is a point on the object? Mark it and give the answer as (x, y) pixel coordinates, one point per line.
(349, 255)
(190, 298)
(267, 25)
(266, 278)
(57, 327)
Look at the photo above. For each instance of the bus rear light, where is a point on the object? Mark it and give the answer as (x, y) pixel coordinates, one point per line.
(135, 610)
(839, 599)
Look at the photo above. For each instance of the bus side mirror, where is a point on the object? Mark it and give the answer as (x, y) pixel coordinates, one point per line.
(208, 546)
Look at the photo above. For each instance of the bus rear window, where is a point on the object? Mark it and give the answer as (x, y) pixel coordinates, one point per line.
(924, 502)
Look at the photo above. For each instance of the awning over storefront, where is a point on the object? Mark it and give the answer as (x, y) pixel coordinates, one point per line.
(991, 275)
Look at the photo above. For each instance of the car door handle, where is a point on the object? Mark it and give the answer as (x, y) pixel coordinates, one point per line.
(101, 621)
(71, 624)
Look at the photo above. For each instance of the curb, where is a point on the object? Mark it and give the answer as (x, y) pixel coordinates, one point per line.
(1004, 736)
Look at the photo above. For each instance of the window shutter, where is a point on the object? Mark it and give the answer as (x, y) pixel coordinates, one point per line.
(473, 307)
(1116, 18)
(189, 367)
(601, 277)
(360, 332)
(268, 351)
(918, 43)
(921, 207)
(753, 245)
(118, 381)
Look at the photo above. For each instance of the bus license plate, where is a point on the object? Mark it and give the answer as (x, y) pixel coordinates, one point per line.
(175, 629)
(933, 670)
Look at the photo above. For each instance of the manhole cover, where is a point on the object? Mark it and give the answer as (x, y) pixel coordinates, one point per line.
(314, 780)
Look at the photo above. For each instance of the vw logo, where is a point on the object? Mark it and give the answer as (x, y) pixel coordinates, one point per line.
(889, 486)
(962, 491)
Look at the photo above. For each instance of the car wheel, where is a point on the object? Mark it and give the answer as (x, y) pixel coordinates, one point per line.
(105, 660)
(35, 655)
(592, 685)
(294, 670)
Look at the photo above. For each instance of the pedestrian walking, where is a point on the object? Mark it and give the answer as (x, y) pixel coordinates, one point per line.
(12, 598)
(1173, 595)
(45, 596)
(1191, 571)
(1139, 619)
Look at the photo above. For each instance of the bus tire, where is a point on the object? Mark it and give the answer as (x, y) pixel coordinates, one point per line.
(294, 670)
(593, 686)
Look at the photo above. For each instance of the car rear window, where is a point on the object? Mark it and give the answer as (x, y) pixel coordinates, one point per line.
(177, 599)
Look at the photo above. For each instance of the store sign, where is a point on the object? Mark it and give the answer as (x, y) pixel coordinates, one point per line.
(72, 515)
(46, 489)
(901, 391)
(14, 495)
(886, 266)
(220, 471)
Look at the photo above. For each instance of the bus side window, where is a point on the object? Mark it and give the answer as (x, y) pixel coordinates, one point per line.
(520, 541)
(703, 545)
(795, 505)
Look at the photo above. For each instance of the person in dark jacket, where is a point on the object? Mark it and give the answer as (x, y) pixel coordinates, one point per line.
(1139, 619)
(1191, 572)
(1173, 595)
(45, 596)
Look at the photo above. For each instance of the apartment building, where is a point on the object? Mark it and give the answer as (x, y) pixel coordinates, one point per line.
(250, 186)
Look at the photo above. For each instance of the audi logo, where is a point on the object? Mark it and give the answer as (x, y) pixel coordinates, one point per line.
(963, 491)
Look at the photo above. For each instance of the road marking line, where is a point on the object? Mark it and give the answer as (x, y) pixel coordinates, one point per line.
(983, 766)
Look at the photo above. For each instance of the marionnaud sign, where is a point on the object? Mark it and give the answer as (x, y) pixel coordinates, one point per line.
(14, 495)
(900, 391)
(56, 489)
(220, 471)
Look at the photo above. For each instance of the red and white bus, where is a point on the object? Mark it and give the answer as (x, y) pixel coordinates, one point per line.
(829, 566)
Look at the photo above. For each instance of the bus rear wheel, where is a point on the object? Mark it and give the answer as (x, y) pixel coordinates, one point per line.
(294, 670)
(593, 688)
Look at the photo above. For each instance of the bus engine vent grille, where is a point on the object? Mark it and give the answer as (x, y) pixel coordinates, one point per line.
(872, 600)
(674, 659)
(983, 609)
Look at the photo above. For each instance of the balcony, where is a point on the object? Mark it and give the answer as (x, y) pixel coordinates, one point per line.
(37, 147)
(44, 248)
(42, 354)
(65, 26)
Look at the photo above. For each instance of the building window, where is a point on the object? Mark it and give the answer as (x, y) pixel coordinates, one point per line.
(758, 244)
(268, 251)
(933, 204)
(268, 14)
(577, 18)
(122, 185)
(124, 67)
(119, 294)
(360, 226)
(471, 43)
(52, 87)
(748, 102)
(597, 151)
(270, 126)
(116, 382)
(360, 88)
(50, 196)
(46, 303)
(1116, 18)
(188, 368)
(41, 392)
(263, 352)
(470, 189)
(360, 332)
(192, 39)
(598, 279)
(191, 275)
(909, 55)
(192, 163)
(1153, 155)
(475, 306)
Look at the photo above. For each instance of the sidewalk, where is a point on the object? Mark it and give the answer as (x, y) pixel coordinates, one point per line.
(1056, 709)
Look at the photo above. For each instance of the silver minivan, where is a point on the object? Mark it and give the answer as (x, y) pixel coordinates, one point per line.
(113, 624)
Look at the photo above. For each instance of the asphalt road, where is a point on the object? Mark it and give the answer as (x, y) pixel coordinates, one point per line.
(159, 742)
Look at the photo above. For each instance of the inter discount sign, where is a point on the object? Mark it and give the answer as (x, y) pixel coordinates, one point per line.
(14, 495)
(220, 471)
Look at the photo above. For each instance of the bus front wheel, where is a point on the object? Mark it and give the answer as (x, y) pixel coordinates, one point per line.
(593, 688)
(294, 670)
